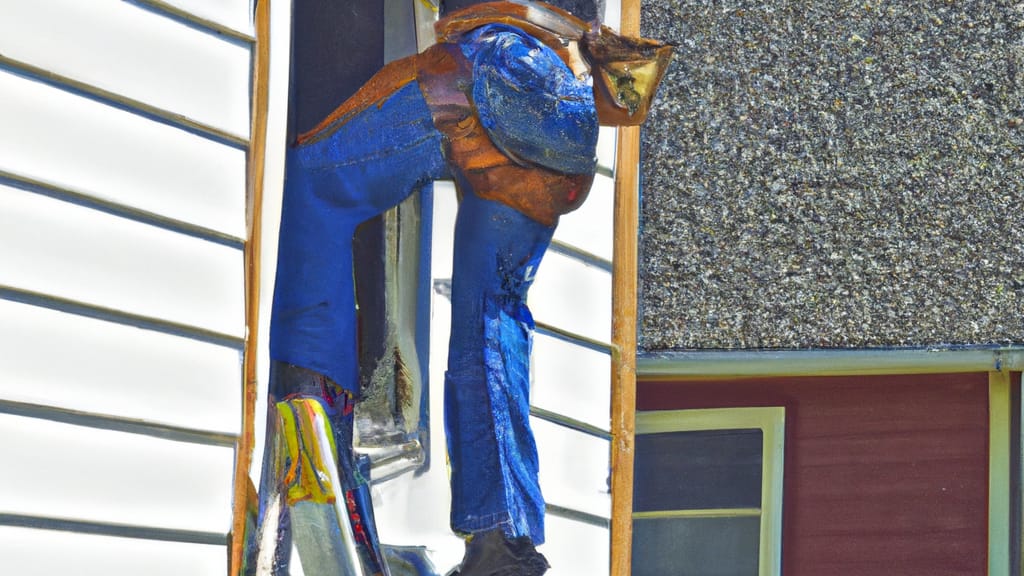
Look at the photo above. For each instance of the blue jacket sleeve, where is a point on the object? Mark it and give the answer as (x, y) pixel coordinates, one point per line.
(531, 105)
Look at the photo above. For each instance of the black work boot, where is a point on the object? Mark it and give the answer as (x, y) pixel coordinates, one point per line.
(491, 553)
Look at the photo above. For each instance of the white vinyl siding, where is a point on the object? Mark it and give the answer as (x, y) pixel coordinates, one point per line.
(124, 132)
(97, 150)
(138, 54)
(74, 362)
(100, 555)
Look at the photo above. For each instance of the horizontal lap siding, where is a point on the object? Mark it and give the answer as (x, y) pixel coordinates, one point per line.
(76, 253)
(884, 474)
(73, 362)
(94, 555)
(98, 151)
(86, 474)
(124, 133)
(138, 54)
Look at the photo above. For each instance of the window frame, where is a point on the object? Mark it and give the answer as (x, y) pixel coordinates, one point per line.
(771, 421)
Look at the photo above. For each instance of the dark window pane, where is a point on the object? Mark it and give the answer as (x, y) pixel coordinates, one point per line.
(696, 546)
(698, 470)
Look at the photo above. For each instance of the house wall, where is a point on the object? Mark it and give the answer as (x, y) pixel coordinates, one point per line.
(125, 149)
(883, 474)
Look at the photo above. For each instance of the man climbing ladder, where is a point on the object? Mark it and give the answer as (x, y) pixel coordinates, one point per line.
(507, 104)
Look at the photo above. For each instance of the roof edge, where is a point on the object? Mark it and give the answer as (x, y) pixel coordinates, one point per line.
(827, 362)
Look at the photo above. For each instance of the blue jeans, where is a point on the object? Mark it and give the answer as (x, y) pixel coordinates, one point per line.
(487, 386)
(352, 172)
(358, 167)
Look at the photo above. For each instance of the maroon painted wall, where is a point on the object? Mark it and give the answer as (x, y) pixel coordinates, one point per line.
(884, 474)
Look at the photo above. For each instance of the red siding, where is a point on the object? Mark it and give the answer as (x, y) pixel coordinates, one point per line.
(884, 474)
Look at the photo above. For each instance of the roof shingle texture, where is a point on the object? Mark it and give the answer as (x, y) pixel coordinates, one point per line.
(834, 174)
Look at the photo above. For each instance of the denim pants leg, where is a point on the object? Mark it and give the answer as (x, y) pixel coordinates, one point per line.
(490, 445)
(347, 173)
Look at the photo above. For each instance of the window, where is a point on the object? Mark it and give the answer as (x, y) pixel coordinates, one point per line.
(708, 492)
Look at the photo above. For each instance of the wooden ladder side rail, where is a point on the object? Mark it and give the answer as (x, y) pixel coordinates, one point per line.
(624, 327)
(243, 490)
